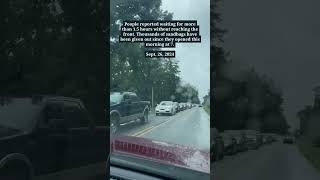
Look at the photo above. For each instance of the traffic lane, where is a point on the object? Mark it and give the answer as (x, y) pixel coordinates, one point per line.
(190, 128)
(134, 128)
(273, 161)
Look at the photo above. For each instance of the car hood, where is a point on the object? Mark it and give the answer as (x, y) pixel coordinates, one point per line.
(162, 152)
(6, 132)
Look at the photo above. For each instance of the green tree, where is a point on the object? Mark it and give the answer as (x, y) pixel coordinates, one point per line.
(304, 115)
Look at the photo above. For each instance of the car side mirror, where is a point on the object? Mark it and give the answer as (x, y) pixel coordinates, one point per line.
(127, 101)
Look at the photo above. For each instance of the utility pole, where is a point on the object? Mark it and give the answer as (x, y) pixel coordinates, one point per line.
(152, 97)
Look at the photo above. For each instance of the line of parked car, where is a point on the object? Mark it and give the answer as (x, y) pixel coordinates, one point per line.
(230, 142)
(171, 108)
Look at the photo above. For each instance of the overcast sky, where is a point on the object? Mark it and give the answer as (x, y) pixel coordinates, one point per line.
(194, 58)
(280, 39)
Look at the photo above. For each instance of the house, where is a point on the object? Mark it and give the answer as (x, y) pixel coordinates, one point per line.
(310, 119)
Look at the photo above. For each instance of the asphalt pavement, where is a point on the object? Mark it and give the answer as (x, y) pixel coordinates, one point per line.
(275, 161)
(190, 127)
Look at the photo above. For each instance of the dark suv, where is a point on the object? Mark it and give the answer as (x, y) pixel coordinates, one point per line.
(126, 107)
(42, 135)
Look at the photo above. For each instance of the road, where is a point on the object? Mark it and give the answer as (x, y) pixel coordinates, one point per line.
(275, 161)
(190, 127)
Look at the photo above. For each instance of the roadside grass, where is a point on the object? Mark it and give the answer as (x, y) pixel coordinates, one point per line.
(207, 109)
(310, 152)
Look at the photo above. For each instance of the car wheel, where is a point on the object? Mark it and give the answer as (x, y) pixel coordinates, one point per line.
(114, 124)
(145, 117)
(157, 114)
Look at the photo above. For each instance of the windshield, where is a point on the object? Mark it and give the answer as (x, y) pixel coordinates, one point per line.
(20, 114)
(167, 87)
(166, 103)
(115, 98)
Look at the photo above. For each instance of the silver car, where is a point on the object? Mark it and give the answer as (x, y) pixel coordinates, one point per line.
(166, 107)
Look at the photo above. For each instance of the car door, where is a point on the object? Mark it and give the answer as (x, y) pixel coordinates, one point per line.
(80, 136)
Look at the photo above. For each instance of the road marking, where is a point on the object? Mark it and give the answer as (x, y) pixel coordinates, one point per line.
(147, 130)
(143, 130)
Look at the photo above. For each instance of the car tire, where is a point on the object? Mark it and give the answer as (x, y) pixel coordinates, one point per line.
(114, 124)
(145, 117)
(157, 114)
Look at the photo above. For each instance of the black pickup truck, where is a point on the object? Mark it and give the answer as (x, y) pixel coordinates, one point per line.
(126, 107)
(45, 135)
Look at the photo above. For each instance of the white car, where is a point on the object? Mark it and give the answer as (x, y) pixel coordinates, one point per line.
(166, 107)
